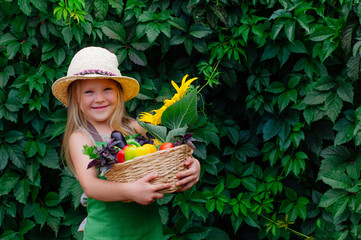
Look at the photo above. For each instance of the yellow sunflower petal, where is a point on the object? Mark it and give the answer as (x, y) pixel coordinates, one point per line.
(146, 117)
(184, 78)
(175, 86)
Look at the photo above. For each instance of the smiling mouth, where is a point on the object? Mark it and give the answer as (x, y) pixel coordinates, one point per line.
(99, 107)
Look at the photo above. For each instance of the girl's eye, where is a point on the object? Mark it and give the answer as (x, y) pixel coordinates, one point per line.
(108, 89)
(88, 92)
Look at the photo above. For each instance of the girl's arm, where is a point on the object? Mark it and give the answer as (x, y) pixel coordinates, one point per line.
(141, 191)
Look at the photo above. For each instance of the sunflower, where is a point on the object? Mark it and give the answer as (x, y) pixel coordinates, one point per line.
(155, 118)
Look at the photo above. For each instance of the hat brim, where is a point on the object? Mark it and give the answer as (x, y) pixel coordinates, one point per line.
(130, 86)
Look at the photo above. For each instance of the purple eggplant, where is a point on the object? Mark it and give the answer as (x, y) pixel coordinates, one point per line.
(119, 137)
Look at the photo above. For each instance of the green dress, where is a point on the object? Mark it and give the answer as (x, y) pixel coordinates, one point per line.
(119, 220)
(122, 221)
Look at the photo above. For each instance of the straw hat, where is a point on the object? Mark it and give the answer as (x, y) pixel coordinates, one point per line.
(94, 63)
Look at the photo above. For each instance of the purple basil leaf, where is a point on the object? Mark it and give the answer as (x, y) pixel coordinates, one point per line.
(191, 145)
(92, 163)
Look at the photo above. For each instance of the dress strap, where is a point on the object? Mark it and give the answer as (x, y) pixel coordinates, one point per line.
(94, 133)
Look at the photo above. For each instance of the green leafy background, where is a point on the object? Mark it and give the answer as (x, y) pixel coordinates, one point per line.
(278, 129)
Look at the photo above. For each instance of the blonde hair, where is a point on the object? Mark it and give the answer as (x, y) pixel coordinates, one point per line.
(77, 120)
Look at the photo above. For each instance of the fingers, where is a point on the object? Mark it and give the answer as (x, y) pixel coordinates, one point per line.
(192, 169)
(187, 186)
(149, 177)
(156, 187)
(190, 176)
(189, 179)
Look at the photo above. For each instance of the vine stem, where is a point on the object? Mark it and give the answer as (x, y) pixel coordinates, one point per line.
(210, 77)
(287, 228)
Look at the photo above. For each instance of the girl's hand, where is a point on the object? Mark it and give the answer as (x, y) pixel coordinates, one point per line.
(190, 176)
(143, 192)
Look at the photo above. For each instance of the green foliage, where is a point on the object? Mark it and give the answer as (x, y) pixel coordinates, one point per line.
(278, 128)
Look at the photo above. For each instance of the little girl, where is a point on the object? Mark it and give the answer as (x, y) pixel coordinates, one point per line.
(94, 91)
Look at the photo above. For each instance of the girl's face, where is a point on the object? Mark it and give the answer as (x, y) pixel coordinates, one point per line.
(98, 99)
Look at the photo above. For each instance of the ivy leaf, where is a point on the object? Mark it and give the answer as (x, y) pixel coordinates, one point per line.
(52, 199)
(337, 179)
(331, 196)
(207, 134)
(22, 190)
(233, 134)
(315, 97)
(67, 34)
(101, 9)
(16, 155)
(12, 136)
(321, 33)
(179, 23)
(290, 27)
(152, 31)
(50, 159)
(353, 67)
(25, 226)
(40, 215)
(199, 31)
(270, 51)
(7, 38)
(277, 27)
(345, 92)
(53, 223)
(271, 128)
(76, 192)
(4, 157)
(59, 56)
(118, 5)
(5, 75)
(114, 30)
(7, 182)
(25, 6)
(325, 84)
(41, 5)
(12, 49)
(276, 87)
(333, 106)
(334, 158)
(340, 206)
(137, 57)
(297, 47)
(66, 185)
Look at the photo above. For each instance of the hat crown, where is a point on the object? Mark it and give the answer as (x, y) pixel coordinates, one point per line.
(94, 63)
(92, 59)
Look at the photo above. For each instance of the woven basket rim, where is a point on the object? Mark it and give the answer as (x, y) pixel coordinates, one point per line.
(151, 154)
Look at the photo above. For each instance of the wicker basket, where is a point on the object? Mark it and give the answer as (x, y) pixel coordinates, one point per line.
(166, 163)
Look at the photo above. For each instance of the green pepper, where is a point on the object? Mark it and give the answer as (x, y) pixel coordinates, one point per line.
(133, 142)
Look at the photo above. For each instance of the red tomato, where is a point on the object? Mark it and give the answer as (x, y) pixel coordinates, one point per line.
(166, 145)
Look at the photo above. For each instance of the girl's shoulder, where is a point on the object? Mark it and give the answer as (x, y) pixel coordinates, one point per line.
(81, 135)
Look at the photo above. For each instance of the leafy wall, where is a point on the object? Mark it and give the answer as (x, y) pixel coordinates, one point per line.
(279, 133)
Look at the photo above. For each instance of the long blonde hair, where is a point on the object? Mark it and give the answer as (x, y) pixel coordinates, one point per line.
(77, 120)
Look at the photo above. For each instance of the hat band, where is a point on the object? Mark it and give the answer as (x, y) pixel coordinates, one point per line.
(94, 71)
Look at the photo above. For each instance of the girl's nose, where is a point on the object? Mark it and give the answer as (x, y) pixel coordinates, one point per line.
(99, 97)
